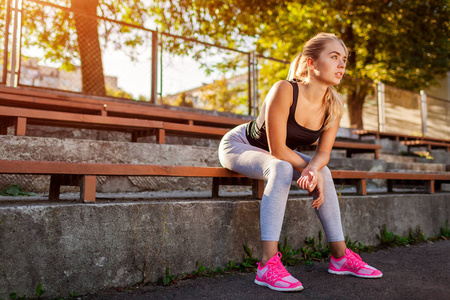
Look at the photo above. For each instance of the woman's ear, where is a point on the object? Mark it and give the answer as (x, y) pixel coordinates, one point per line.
(310, 63)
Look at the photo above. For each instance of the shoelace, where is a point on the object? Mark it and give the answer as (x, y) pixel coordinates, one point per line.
(355, 255)
(355, 264)
(278, 268)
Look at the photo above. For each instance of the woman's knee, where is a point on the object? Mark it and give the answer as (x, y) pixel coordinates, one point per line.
(281, 171)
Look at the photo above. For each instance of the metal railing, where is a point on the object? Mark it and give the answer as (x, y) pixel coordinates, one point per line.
(51, 46)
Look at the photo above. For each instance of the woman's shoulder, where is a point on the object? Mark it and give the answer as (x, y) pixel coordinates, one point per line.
(281, 91)
(282, 86)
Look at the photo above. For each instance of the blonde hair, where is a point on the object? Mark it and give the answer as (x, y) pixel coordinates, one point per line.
(298, 71)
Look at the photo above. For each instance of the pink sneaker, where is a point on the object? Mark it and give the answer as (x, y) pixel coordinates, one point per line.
(352, 264)
(275, 276)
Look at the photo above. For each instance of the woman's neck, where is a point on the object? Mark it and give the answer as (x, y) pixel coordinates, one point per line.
(312, 91)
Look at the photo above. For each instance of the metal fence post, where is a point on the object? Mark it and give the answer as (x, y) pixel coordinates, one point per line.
(255, 84)
(15, 51)
(5, 49)
(154, 94)
(249, 81)
(381, 106)
(423, 111)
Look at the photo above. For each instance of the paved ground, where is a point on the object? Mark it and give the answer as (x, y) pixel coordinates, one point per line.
(416, 272)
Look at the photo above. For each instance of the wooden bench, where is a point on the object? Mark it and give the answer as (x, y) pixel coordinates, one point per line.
(20, 117)
(70, 102)
(428, 144)
(350, 148)
(396, 136)
(84, 176)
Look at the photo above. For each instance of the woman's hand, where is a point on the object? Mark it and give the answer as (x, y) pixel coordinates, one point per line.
(308, 179)
(319, 192)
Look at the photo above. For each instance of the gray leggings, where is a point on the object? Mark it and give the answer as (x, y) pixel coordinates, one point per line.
(235, 153)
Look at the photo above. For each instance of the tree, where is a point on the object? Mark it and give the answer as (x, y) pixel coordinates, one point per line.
(73, 34)
(221, 95)
(404, 43)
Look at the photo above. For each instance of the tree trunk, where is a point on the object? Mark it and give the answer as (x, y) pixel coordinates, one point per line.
(93, 79)
(355, 103)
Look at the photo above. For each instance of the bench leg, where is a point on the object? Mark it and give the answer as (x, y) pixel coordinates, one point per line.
(86, 184)
(55, 184)
(4, 124)
(134, 137)
(258, 188)
(21, 126)
(215, 187)
(429, 187)
(361, 187)
(376, 154)
(160, 136)
(87, 188)
(390, 186)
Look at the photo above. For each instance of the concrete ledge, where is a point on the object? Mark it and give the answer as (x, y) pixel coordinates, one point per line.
(80, 248)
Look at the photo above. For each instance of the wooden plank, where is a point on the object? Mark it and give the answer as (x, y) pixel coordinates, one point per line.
(65, 117)
(50, 167)
(173, 127)
(48, 104)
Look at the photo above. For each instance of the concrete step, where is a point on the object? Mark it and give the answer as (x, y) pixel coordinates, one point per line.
(85, 248)
(413, 166)
(405, 158)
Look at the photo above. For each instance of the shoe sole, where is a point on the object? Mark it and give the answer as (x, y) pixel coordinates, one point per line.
(353, 274)
(297, 289)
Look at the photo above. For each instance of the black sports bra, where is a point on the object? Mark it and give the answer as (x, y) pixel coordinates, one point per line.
(296, 135)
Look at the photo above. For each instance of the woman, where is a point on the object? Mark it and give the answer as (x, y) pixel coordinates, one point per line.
(296, 112)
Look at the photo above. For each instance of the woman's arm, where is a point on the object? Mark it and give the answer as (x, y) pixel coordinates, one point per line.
(321, 156)
(278, 102)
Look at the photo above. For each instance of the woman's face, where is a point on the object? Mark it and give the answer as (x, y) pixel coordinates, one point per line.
(330, 66)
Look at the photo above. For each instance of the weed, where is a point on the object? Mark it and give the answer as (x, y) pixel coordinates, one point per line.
(444, 231)
(14, 296)
(357, 246)
(313, 251)
(289, 256)
(39, 291)
(389, 239)
(168, 279)
(231, 266)
(14, 190)
(199, 270)
(416, 236)
(249, 262)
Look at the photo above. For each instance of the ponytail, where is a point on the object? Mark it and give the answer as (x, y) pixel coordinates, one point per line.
(334, 107)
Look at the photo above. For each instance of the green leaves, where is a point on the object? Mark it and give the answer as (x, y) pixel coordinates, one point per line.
(14, 190)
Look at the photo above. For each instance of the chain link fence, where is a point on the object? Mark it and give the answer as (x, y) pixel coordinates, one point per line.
(198, 75)
(66, 48)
